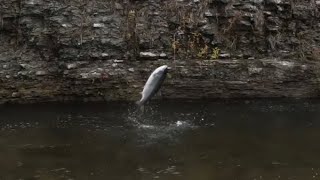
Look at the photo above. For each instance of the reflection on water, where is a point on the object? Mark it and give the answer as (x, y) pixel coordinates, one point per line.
(173, 140)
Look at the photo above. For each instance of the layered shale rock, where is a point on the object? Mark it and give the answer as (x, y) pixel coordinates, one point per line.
(52, 50)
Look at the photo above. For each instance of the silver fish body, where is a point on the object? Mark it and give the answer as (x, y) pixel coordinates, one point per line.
(153, 84)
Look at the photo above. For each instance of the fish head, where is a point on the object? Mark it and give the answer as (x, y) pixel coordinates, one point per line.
(161, 70)
(165, 69)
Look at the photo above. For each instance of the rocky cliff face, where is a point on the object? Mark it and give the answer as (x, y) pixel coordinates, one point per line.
(52, 50)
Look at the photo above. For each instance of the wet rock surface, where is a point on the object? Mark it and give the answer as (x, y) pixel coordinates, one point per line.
(105, 50)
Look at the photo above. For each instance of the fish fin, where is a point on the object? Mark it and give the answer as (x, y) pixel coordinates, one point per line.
(158, 94)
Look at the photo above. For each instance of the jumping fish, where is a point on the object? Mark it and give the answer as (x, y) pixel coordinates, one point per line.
(153, 84)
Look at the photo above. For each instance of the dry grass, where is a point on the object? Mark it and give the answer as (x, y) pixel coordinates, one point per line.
(187, 41)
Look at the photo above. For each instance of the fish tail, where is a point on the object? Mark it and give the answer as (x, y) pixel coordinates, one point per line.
(141, 105)
(142, 108)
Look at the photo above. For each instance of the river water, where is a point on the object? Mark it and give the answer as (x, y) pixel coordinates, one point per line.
(224, 140)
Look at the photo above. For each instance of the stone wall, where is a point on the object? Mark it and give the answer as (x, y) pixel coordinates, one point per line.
(52, 50)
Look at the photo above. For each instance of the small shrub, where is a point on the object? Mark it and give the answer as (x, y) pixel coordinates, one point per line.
(215, 53)
(203, 53)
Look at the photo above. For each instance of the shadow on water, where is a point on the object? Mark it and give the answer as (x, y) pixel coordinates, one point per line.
(243, 139)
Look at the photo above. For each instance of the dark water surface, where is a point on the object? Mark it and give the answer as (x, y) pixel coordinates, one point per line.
(223, 140)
